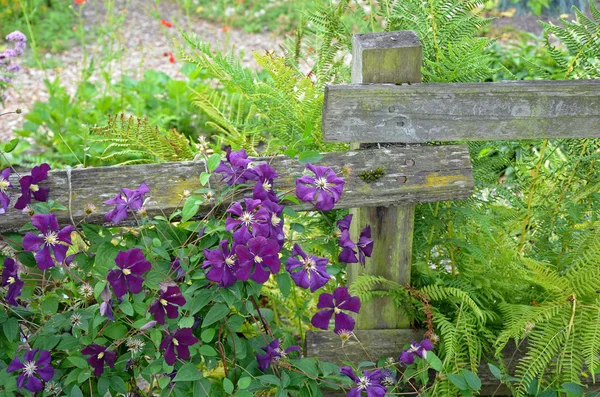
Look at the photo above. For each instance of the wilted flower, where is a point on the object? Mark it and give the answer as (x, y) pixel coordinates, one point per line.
(4, 186)
(33, 370)
(369, 382)
(50, 241)
(132, 200)
(106, 305)
(99, 356)
(167, 303)
(75, 320)
(311, 270)
(89, 209)
(10, 279)
(52, 388)
(135, 345)
(175, 266)
(273, 353)
(222, 263)
(179, 341)
(420, 349)
(335, 303)
(323, 190)
(29, 186)
(86, 290)
(132, 265)
(259, 254)
(236, 169)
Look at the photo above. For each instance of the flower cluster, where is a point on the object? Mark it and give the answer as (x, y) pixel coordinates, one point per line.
(29, 187)
(10, 279)
(274, 353)
(128, 200)
(50, 244)
(336, 304)
(34, 371)
(369, 382)
(420, 349)
(349, 248)
(8, 66)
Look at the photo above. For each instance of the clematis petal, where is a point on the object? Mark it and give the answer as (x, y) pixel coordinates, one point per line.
(324, 201)
(65, 234)
(325, 301)
(44, 359)
(46, 373)
(349, 372)
(42, 194)
(60, 252)
(135, 283)
(321, 319)
(117, 281)
(118, 214)
(33, 384)
(343, 322)
(185, 336)
(183, 351)
(172, 311)
(40, 173)
(31, 242)
(43, 258)
(15, 365)
(260, 274)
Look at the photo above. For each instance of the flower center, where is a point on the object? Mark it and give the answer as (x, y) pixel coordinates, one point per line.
(126, 272)
(230, 260)
(337, 310)
(266, 185)
(258, 259)
(247, 218)
(34, 187)
(11, 280)
(175, 342)
(3, 185)
(275, 220)
(164, 302)
(51, 238)
(309, 264)
(363, 383)
(321, 183)
(30, 368)
(100, 355)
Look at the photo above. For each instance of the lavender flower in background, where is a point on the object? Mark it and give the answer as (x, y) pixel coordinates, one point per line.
(7, 59)
(259, 254)
(309, 271)
(34, 371)
(4, 186)
(420, 349)
(99, 356)
(19, 39)
(349, 248)
(127, 200)
(223, 264)
(50, 241)
(10, 279)
(264, 185)
(132, 265)
(236, 169)
(335, 304)
(106, 305)
(273, 353)
(323, 190)
(167, 304)
(179, 341)
(30, 187)
(369, 382)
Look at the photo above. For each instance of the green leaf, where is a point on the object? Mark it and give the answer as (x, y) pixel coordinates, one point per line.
(50, 304)
(11, 329)
(187, 373)
(434, 361)
(11, 145)
(115, 331)
(244, 382)
(204, 177)
(308, 366)
(126, 308)
(269, 380)
(285, 283)
(472, 380)
(573, 388)
(83, 376)
(98, 288)
(228, 386)
(118, 384)
(207, 335)
(190, 208)
(199, 301)
(458, 381)
(213, 162)
(216, 313)
(495, 371)
(103, 384)
(79, 362)
(207, 350)
(186, 322)
(309, 157)
(76, 392)
(105, 257)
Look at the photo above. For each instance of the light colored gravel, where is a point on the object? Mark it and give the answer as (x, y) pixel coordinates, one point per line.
(144, 42)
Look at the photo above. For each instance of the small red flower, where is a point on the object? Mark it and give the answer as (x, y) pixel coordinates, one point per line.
(79, 1)
(225, 28)
(163, 22)
(171, 57)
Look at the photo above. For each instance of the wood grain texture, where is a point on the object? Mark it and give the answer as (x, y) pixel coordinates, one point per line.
(412, 174)
(375, 344)
(462, 112)
(385, 58)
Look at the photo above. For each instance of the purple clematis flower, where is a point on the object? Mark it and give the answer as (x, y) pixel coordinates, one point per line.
(50, 241)
(175, 266)
(4, 186)
(132, 200)
(99, 356)
(365, 244)
(369, 382)
(167, 303)
(10, 279)
(33, 370)
(264, 184)
(275, 222)
(262, 255)
(324, 190)
(311, 272)
(335, 303)
(29, 186)
(248, 222)
(223, 264)
(273, 353)
(132, 265)
(106, 305)
(236, 170)
(420, 349)
(181, 340)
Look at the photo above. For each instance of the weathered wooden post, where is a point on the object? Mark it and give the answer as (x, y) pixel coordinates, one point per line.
(393, 58)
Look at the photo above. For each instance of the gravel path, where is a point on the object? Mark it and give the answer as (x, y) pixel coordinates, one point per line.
(145, 41)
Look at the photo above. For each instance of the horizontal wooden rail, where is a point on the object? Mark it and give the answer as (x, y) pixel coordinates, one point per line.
(418, 173)
(462, 112)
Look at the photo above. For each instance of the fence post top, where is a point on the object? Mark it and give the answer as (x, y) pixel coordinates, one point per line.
(384, 40)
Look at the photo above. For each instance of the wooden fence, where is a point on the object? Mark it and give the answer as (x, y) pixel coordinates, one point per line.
(383, 105)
